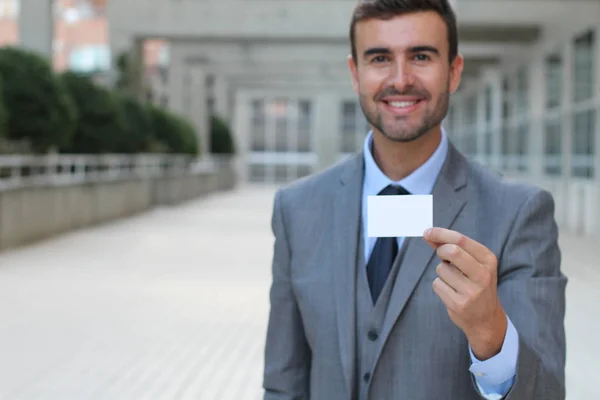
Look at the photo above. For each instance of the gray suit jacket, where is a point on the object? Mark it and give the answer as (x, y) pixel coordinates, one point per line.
(423, 356)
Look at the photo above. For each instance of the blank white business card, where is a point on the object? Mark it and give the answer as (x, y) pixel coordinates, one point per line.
(399, 216)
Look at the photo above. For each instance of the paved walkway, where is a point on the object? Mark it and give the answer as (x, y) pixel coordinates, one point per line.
(173, 304)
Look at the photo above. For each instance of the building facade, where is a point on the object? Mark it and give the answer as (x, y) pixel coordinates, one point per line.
(527, 106)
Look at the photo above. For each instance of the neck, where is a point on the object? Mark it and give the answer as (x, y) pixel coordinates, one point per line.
(397, 160)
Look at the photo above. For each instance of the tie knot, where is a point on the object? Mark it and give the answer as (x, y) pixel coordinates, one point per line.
(393, 190)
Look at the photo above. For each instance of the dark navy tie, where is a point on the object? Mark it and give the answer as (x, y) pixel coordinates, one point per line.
(384, 253)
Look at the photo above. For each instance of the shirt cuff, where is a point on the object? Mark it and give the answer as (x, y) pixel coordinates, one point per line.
(503, 366)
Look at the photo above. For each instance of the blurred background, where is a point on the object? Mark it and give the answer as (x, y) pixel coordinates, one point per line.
(141, 142)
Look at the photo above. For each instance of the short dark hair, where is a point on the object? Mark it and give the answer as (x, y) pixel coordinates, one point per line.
(387, 9)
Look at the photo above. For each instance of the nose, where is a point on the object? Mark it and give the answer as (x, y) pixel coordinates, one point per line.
(402, 75)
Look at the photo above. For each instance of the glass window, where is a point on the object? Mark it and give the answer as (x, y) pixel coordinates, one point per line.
(257, 124)
(553, 81)
(583, 143)
(522, 146)
(553, 147)
(449, 120)
(164, 55)
(279, 109)
(506, 99)
(506, 132)
(583, 71)
(90, 59)
(304, 126)
(522, 95)
(349, 128)
(9, 9)
(489, 104)
(470, 137)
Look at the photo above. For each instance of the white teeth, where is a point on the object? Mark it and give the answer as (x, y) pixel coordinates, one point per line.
(402, 104)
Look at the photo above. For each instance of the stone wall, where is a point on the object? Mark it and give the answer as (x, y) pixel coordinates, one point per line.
(30, 214)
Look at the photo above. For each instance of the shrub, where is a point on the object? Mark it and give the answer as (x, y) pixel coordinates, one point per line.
(3, 115)
(139, 128)
(175, 133)
(39, 107)
(102, 124)
(221, 140)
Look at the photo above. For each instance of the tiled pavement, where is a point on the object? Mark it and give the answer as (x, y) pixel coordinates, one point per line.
(172, 304)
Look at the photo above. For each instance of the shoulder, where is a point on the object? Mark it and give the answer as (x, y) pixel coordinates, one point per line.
(509, 199)
(317, 187)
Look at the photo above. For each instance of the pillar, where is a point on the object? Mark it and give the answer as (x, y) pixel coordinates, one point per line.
(196, 110)
(537, 106)
(327, 119)
(36, 27)
(241, 130)
(221, 96)
(176, 80)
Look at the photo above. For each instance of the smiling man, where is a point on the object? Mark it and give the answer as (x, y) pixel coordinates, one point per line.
(472, 310)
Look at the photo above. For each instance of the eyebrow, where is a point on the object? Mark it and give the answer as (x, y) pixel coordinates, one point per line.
(376, 50)
(421, 49)
(414, 49)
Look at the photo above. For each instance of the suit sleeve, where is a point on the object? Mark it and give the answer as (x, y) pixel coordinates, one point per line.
(532, 291)
(287, 354)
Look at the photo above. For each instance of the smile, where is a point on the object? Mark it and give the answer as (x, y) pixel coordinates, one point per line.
(402, 107)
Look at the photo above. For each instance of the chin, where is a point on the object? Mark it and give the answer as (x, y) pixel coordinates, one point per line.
(404, 137)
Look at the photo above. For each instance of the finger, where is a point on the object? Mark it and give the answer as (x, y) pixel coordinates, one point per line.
(446, 236)
(462, 260)
(445, 293)
(454, 278)
(433, 244)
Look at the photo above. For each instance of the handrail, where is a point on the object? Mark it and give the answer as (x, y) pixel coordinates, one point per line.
(23, 170)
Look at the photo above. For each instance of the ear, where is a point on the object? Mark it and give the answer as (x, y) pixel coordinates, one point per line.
(353, 72)
(456, 69)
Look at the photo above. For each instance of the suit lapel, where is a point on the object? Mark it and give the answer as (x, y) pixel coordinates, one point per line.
(346, 236)
(449, 198)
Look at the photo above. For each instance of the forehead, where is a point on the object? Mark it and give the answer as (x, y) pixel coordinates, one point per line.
(403, 31)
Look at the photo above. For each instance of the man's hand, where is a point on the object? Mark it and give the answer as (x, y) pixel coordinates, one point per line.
(467, 284)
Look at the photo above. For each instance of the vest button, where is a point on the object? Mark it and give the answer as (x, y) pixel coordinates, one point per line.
(372, 335)
(367, 376)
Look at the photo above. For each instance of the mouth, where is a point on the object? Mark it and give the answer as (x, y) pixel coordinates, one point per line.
(402, 107)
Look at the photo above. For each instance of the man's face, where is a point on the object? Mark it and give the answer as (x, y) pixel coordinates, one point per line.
(402, 74)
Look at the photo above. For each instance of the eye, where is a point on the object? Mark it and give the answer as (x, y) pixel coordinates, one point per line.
(422, 57)
(379, 59)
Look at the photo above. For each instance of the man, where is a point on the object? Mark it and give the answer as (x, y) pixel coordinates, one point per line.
(474, 309)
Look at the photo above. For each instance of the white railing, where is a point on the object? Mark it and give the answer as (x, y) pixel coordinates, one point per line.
(36, 170)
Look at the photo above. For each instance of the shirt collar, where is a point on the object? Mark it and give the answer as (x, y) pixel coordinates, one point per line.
(421, 181)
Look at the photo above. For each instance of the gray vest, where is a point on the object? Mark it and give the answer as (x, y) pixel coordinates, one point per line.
(369, 321)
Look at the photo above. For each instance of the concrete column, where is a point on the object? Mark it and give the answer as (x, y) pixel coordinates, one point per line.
(327, 119)
(596, 195)
(36, 26)
(459, 124)
(537, 105)
(176, 82)
(122, 43)
(195, 106)
(222, 97)
(495, 80)
(241, 131)
(571, 211)
(481, 123)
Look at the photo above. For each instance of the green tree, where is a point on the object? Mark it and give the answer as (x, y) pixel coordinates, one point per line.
(129, 75)
(102, 124)
(174, 132)
(139, 128)
(3, 115)
(40, 110)
(221, 139)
